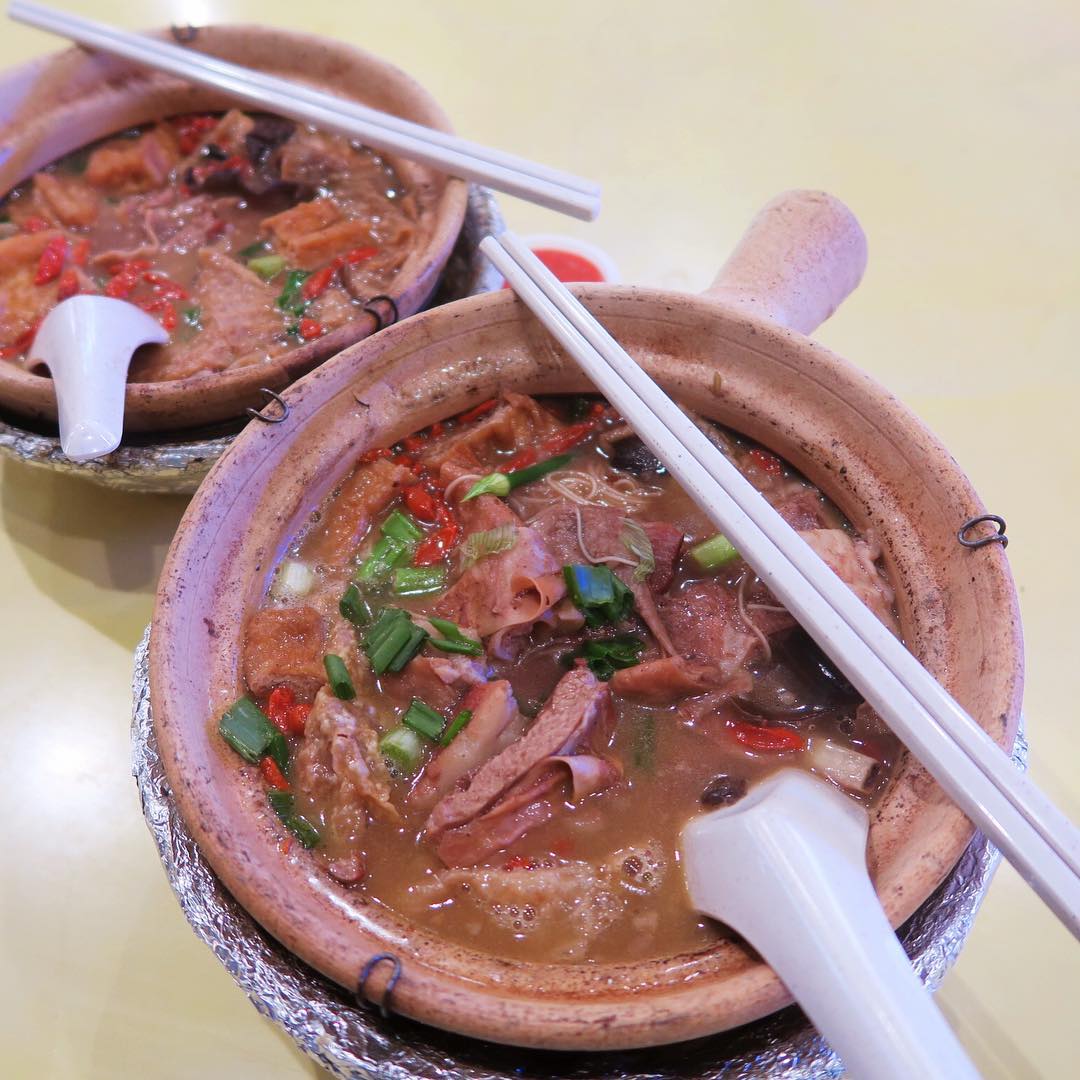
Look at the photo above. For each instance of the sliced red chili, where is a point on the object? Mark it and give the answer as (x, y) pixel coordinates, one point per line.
(766, 462)
(277, 706)
(164, 286)
(412, 443)
(318, 283)
(438, 429)
(132, 266)
(421, 503)
(120, 286)
(361, 254)
(768, 739)
(369, 456)
(563, 440)
(273, 775)
(311, 328)
(296, 718)
(80, 253)
(69, 285)
(36, 224)
(51, 261)
(434, 548)
(477, 411)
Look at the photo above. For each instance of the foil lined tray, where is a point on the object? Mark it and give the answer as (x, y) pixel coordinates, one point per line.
(353, 1041)
(176, 464)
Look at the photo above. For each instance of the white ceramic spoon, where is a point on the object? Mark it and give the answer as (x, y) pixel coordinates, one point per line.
(786, 868)
(87, 343)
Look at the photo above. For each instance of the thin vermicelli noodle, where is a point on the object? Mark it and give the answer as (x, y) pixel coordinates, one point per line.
(585, 487)
(750, 622)
(588, 555)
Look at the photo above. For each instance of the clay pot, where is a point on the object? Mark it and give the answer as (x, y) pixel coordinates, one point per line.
(57, 104)
(736, 354)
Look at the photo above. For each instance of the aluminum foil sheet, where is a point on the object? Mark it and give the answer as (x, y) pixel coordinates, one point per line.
(177, 465)
(354, 1041)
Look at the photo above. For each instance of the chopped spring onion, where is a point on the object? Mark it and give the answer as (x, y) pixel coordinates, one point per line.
(455, 726)
(338, 674)
(392, 641)
(453, 640)
(714, 553)
(279, 751)
(844, 765)
(294, 578)
(267, 266)
(610, 655)
(354, 607)
(283, 805)
(423, 719)
(387, 553)
(291, 298)
(419, 580)
(253, 249)
(245, 727)
(598, 594)
(636, 540)
(402, 747)
(401, 527)
(502, 484)
(193, 317)
(479, 545)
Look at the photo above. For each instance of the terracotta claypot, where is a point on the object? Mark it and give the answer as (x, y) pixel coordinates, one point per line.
(57, 104)
(736, 354)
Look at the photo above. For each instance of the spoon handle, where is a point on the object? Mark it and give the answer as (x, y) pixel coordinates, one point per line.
(786, 868)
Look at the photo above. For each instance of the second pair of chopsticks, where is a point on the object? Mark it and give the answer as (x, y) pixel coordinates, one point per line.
(499, 170)
(1031, 832)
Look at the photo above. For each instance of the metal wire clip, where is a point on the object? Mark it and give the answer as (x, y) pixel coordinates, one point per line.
(997, 537)
(257, 414)
(388, 989)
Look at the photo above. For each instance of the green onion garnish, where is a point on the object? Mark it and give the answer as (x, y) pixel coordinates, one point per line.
(598, 594)
(419, 580)
(193, 317)
(253, 249)
(609, 655)
(354, 607)
(338, 674)
(636, 540)
(453, 640)
(423, 719)
(401, 527)
(291, 298)
(387, 553)
(283, 805)
(455, 727)
(502, 484)
(402, 747)
(267, 266)
(245, 727)
(392, 641)
(714, 553)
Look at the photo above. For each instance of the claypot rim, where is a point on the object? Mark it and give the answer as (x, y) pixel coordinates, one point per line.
(196, 400)
(675, 1012)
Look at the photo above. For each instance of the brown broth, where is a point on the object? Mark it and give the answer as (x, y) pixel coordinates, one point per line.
(669, 755)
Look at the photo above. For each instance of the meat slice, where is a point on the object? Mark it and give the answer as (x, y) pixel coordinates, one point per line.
(69, 199)
(311, 158)
(517, 423)
(665, 680)
(340, 773)
(310, 234)
(367, 492)
(504, 594)
(494, 712)
(579, 712)
(802, 509)
(852, 560)
(603, 529)
(240, 324)
(706, 626)
(439, 681)
(124, 166)
(284, 647)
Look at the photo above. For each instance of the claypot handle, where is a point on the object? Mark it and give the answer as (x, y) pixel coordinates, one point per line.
(796, 263)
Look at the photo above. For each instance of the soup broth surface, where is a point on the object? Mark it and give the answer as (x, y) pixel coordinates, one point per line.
(697, 688)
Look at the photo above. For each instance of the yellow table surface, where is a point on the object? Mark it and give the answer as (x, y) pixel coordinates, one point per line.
(951, 131)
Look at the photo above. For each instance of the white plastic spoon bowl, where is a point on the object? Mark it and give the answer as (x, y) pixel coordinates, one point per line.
(786, 868)
(86, 343)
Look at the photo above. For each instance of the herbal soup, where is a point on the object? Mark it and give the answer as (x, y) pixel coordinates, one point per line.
(244, 235)
(510, 659)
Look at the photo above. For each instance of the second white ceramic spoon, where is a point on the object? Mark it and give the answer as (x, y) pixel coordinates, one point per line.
(86, 343)
(786, 868)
